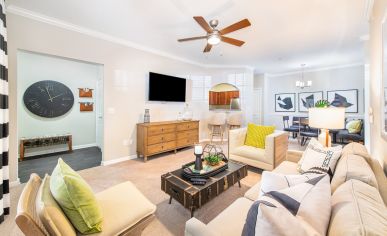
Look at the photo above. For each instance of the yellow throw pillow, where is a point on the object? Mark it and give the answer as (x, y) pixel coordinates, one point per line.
(354, 126)
(256, 135)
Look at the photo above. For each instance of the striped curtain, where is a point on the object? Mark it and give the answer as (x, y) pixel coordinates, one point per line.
(4, 179)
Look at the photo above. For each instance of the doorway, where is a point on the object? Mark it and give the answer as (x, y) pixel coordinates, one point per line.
(60, 113)
(257, 106)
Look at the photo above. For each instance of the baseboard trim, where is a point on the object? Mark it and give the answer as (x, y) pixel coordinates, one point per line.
(14, 183)
(118, 160)
(64, 149)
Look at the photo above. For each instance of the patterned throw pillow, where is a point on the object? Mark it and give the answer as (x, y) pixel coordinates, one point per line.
(256, 135)
(319, 159)
(303, 209)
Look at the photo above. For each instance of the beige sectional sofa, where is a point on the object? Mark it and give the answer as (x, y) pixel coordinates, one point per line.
(276, 145)
(354, 203)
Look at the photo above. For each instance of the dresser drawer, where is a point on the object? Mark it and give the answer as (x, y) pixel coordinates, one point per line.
(186, 141)
(187, 134)
(161, 129)
(155, 148)
(161, 138)
(187, 126)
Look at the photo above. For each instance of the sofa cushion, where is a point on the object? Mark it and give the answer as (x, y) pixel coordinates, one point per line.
(352, 166)
(303, 209)
(272, 181)
(76, 199)
(253, 153)
(123, 206)
(357, 209)
(256, 135)
(319, 157)
(286, 167)
(50, 213)
(231, 220)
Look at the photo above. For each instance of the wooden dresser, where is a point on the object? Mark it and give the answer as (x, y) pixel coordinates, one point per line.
(159, 137)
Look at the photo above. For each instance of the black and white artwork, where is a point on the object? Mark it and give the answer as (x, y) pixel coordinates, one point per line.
(285, 102)
(344, 98)
(308, 99)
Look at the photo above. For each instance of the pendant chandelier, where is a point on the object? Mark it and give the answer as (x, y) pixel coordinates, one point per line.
(301, 83)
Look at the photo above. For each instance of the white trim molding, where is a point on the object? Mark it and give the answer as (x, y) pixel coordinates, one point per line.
(96, 34)
(14, 183)
(118, 160)
(313, 70)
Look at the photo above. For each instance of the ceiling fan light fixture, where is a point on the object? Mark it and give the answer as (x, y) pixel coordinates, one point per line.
(213, 39)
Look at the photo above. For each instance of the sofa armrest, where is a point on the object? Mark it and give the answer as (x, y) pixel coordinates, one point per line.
(294, 156)
(236, 138)
(194, 227)
(276, 145)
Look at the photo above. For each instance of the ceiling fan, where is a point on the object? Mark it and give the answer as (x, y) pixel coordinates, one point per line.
(214, 36)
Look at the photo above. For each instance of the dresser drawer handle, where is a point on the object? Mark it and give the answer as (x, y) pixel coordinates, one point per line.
(162, 147)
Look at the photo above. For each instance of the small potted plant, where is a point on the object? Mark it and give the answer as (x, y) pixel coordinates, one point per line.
(213, 160)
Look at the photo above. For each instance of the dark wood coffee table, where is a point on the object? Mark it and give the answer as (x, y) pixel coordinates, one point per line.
(194, 196)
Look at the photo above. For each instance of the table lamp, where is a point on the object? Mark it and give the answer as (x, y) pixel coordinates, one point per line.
(325, 119)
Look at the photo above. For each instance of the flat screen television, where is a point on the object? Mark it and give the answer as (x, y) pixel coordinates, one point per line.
(166, 88)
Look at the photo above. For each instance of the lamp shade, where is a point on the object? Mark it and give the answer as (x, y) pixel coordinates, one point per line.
(327, 118)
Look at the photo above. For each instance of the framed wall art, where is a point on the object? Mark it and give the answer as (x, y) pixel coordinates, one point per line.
(285, 102)
(307, 100)
(344, 98)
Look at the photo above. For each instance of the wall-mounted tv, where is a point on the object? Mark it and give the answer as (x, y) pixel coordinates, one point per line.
(166, 88)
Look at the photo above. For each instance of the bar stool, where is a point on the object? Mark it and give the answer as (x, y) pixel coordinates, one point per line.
(217, 121)
(234, 121)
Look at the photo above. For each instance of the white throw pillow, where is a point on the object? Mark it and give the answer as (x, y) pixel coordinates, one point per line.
(303, 209)
(317, 158)
(272, 181)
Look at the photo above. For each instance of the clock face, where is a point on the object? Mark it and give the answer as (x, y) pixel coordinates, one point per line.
(48, 99)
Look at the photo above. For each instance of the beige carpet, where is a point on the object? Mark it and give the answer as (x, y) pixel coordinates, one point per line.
(170, 219)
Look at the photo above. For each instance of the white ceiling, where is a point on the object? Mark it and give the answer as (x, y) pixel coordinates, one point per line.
(283, 35)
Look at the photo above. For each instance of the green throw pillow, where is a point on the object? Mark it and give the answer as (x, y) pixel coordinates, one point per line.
(76, 199)
(256, 135)
(354, 126)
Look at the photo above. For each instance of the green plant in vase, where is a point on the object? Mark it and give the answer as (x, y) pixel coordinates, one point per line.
(322, 104)
(213, 160)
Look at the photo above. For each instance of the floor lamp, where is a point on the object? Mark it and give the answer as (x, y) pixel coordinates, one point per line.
(325, 119)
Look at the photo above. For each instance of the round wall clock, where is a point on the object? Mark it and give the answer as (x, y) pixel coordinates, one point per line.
(48, 99)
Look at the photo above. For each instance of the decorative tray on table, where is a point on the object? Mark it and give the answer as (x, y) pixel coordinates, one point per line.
(208, 170)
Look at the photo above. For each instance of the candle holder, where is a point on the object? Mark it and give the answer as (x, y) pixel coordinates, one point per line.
(198, 151)
(198, 162)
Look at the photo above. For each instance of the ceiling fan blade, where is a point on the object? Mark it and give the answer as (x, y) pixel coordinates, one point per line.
(192, 38)
(203, 23)
(207, 48)
(232, 41)
(237, 26)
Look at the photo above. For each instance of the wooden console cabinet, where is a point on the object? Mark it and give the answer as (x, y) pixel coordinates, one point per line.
(159, 137)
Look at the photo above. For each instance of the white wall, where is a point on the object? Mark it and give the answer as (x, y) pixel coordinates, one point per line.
(323, 80)
(378, 144)
(34, 67)
(125, 81)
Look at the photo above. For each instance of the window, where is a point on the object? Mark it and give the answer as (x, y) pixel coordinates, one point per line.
(238, 80)
(200, 87)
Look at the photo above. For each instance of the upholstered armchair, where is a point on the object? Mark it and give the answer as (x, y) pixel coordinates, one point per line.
(276, 146)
